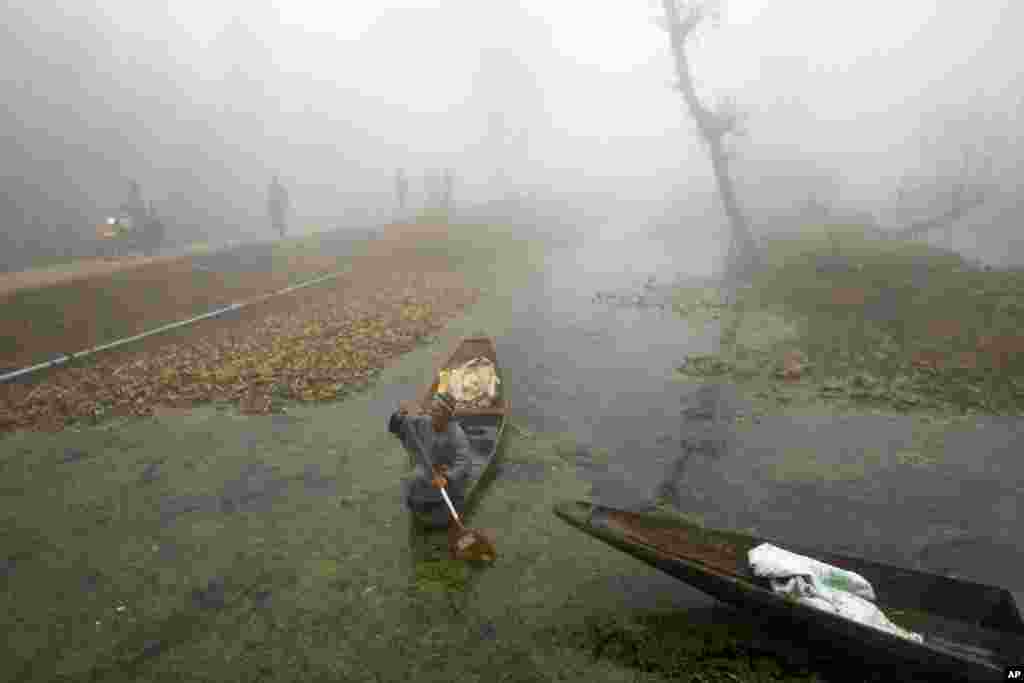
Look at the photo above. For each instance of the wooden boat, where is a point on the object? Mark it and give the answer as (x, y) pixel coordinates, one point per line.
(483, 426)
(971, 631)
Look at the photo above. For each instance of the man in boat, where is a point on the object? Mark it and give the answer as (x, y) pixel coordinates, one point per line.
(440, 452)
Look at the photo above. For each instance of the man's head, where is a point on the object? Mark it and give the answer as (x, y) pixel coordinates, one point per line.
(441, 410)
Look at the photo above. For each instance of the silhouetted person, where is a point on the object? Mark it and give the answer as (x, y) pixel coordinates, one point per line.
(134, 209)
(155, 231)
(448, 192)
(277, 206)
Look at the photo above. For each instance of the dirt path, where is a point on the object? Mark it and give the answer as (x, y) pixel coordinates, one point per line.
(34, 278)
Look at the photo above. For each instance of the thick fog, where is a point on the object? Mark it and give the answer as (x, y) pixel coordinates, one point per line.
(202, 103)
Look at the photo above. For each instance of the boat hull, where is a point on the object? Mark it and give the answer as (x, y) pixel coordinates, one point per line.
(971, 631)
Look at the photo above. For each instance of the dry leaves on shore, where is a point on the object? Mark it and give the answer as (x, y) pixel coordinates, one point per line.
(314, 346)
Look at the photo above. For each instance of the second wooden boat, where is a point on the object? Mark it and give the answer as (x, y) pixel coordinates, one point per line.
(971, 631)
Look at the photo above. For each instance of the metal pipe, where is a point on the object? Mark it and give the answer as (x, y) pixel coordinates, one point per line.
(164, 328)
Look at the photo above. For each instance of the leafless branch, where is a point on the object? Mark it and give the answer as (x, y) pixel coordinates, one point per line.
(968, 185)
(682, 19)
(961, 207)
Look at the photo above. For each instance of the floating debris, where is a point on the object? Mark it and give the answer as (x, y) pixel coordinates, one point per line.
(73, 455)
(214, 596)
(705, 365)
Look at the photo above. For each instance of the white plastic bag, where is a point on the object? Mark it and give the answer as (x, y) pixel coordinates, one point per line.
(770, 561)
(823, 587)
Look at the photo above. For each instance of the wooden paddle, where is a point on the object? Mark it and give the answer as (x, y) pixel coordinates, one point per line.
(467, 544)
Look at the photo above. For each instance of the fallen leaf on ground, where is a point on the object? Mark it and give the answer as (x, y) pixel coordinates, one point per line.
(793, 365)
(944, 329)
(1001, 347)
(848, 296)
(925, 359)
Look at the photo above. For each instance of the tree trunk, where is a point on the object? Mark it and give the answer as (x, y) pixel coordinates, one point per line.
(743, 251)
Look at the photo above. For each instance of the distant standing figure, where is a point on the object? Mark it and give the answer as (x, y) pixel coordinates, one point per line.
(155, 232)
(135, 207)
(401, 190)
(448, 193)
(278, 206)
(431, 185)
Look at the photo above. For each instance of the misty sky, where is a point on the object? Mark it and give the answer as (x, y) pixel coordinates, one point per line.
(335, 96)
(850, 80)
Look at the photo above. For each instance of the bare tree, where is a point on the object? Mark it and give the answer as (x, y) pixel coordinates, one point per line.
(681, 20)
(966, 186)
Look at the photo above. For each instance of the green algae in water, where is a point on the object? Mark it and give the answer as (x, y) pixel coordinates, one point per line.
(442, 575)
(663, 511)
(706, 365)
(916, 458)
(324, 569)
(672, 646)
(807, 465)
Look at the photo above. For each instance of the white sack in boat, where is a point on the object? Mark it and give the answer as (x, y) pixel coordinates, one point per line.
(474, 381)
(822, 586)
(770, 561)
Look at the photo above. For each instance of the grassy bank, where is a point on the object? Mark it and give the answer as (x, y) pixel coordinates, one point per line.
(869, 323)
